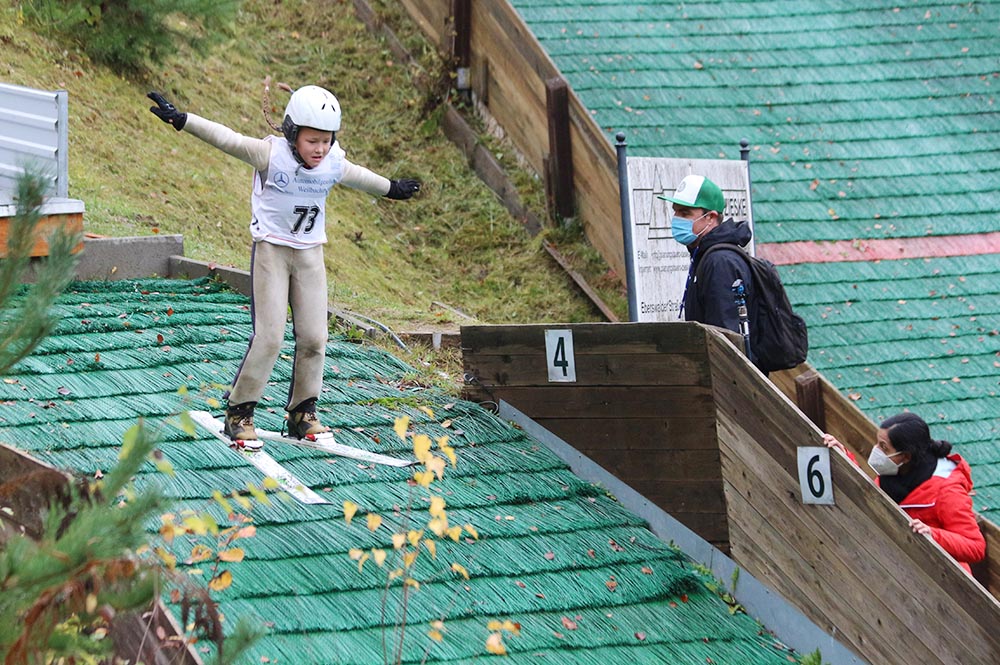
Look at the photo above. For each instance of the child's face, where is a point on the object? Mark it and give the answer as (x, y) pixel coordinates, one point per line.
(313, 145)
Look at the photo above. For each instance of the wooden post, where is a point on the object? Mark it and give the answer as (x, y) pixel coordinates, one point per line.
(809, 397)
(461, 43)
(560, 160)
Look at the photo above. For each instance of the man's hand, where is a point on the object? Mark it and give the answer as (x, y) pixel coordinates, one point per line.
(403, 189)
(167, 112)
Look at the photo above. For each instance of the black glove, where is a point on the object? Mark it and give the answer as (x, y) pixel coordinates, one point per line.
(403, 189)
(167, 112)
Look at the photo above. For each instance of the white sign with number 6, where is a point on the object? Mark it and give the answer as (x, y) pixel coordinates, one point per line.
(814, 475)
(559, 353)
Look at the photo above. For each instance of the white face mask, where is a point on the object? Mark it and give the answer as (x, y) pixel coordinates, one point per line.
(882, 463)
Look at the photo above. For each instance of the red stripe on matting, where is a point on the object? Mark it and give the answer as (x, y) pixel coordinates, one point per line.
(788, 253)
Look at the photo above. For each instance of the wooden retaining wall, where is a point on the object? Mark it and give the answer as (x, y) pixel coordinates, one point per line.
(640, 409)
(659, 404)
(509, 70)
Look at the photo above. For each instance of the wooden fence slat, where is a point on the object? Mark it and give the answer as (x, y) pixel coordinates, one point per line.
(606, 402)
(627, 434)
(592, 370)
(832, 558)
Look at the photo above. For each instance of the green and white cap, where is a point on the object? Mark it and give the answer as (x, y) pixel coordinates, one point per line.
(697, 191)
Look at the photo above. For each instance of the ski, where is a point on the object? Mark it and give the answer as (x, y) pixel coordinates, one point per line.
(264, 462)
(326, 443)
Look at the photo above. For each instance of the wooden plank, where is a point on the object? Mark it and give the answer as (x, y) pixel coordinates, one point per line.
(694, 433)
(659, 369)
(606, 402)
(27, 486)
(651, 466)
(823, 578)
(989, 570)
(588, 338)
(581, 283)
(560, 147)
(47, 225)
(915, 564)
(809, 397)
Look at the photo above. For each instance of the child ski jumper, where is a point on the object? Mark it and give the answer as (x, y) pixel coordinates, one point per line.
(292, 177)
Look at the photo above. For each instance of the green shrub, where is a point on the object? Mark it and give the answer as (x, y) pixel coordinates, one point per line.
(131, 35)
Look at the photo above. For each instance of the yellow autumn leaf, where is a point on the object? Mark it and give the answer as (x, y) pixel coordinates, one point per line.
(349, 509)
(431, 547)
(428, 410)
(200, 553)
(435, 635)
(494, 625)
(212, 402)
(409, 581)
(511, 627)
(399, 572)
(438, 526)
(450, 452)
(436, 464)
(414, 537)
(400, 427)
(454, 533)
(437, 506)
(354, 553)
(270, 483)
(374, 521)
(361, 561)
(163, 465)
(460, 569)
(195, 525)
(232, 555)
(437, 624)
(471, 530)
(442, 442)
(244, 502)
(258, 494)
(221, 500)
(422, 447)
(221, 581)
(398, 540)
(494, 644)
(378, 556)
(423, 478)
(409, 558)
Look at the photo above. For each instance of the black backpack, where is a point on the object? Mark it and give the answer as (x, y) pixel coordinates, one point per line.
(778, 336)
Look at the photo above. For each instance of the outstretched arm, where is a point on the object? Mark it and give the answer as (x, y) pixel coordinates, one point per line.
(255, 152)
(358, 177)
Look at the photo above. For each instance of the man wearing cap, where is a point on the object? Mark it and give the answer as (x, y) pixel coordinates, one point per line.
(697, 224)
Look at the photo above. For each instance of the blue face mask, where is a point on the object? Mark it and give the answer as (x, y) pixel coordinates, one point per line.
(683, 229)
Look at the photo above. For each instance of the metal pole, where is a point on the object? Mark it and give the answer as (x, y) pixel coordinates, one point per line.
(623, 191)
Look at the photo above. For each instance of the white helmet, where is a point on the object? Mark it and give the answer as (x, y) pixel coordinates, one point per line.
(311, 106)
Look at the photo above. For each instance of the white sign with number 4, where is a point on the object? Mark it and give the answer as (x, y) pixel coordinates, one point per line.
(559, 353)
(814, 475)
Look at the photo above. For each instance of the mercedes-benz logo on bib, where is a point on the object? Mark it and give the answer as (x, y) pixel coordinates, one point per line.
(281, 179)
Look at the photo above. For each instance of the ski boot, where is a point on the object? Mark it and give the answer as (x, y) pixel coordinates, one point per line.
(303, 421)
(239, 426)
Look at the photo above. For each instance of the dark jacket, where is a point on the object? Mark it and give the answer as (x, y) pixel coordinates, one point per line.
(712, 300)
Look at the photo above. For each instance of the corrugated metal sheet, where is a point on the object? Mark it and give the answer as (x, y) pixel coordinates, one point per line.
(585, 579)
(33, 132)
(867, 120)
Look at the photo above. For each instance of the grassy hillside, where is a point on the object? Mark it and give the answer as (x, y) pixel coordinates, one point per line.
(388, 260)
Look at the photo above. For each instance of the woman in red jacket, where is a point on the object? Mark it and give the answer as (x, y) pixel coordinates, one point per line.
(931, 485)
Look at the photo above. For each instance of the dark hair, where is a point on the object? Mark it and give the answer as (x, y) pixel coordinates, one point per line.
(909, 433)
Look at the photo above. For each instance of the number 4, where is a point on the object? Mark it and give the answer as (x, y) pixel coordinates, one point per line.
(559, 355)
